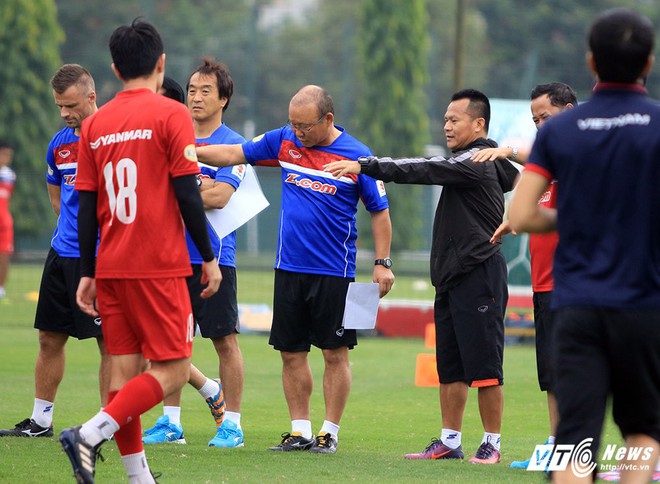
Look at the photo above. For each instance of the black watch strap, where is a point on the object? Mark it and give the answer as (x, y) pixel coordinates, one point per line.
(364, 161)
(386, 262)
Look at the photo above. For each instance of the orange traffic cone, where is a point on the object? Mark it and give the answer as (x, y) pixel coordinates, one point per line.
(426, 372)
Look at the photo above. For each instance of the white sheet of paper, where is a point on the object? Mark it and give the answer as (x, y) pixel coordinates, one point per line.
(246, 203)
(361, 306)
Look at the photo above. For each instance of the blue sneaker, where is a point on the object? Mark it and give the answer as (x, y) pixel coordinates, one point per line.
(519, 464)
(164, 432)
(523, 464)
(228, 435)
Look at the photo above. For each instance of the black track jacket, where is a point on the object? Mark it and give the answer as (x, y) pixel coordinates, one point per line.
(471, 206)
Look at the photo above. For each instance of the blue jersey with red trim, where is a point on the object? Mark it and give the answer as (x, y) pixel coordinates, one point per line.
(225, 249)
(62, 159)
(317, 230)
(604, 155)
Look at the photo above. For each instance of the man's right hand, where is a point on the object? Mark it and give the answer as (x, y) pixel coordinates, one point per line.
(212, 277)
(86, 296)
(503, 229)
(492, 154)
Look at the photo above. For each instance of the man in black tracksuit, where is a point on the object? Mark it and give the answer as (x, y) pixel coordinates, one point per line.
(468, 272)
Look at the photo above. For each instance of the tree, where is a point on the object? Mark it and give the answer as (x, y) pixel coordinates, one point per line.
(535, 42)
(393, 45)
(29, 40)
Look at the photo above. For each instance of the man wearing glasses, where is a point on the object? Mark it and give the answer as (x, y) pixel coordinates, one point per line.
(315, 258)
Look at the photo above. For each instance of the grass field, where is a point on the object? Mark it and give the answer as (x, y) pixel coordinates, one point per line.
(254, 286)
(386, 417)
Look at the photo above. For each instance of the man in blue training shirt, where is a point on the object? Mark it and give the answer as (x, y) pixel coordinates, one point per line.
(603, 155)
(210, 89)
(315, 260)
(58, 315)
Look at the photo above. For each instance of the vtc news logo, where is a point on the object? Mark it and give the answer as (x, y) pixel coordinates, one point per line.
(548, 457)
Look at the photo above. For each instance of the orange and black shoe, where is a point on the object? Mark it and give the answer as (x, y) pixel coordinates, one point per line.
(486, 454)
(437, 450)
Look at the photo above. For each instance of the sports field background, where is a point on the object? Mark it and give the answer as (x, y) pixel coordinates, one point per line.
(386, 417)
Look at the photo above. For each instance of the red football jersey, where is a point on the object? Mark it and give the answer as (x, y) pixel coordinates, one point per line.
(542, 248)
(129, 152)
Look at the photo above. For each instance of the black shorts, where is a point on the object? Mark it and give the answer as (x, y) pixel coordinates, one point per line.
(216, 316)
(57, 310)
(598, 352)
(469, 326)
(543, 318)
(308, 309)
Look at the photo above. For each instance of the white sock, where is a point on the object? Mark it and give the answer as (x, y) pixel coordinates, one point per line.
(451, 438)
(99, 428)
(137, 468)
(210, 389)
(551, 440)
(329, 428)
(174, 413)
(493, 439)
(42, 412)
(234, 417)
(303, 427)
(2, 291)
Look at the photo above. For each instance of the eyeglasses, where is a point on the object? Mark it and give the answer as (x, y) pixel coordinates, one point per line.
(305, 127)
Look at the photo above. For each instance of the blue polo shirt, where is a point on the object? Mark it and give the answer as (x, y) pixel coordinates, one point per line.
(605, 155)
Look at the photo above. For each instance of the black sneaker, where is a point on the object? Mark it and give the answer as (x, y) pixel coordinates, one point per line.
(27, 428)
(294, 441)
(324, 444)
(81, 454)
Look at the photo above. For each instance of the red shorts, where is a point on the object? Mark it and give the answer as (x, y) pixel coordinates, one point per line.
(148, 316)
(6, 235)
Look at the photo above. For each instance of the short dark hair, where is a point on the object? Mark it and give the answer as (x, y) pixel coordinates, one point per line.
(173, 90)
(5, 144)
(560, 94)
(620, 40)
(135, 49)
(70, 74)
(211, 67)
(479, 106)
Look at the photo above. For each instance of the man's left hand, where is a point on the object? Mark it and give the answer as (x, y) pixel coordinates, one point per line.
(385, 279)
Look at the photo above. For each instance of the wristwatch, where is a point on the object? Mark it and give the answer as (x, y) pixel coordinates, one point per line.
(386, 262)
(364, 161)
(198, 180)
(514, 149)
